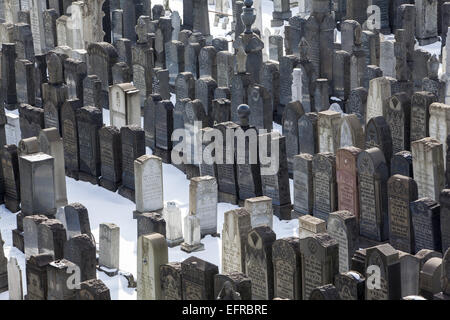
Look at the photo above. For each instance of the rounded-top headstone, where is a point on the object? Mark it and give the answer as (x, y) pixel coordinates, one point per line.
(244, 114)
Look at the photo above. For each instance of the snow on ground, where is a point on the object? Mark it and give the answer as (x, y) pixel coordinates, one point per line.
(105, 206)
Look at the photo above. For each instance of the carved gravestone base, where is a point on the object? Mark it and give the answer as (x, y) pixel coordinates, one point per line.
(82, 176)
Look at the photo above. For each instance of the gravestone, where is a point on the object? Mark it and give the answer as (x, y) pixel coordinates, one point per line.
(31, 120)
(303, 185)
(81, 250)
(12, 129)
(232, 286)
(192, 234)
(51, 143)
(89, 121)
(260, 106)
(398, 117)
(149, 119)
(92, 91)
(428, 167)
(343, 226)
(75, 71)
(388, 285)
(4, 270)
(258, 262)
(426, 22)
(152, 254)
(401, 192)
(425, 214)
(109, 252)
(409, 270)
(378, 135)
(357, 102)
(347, 179)
(163, 130)
(274, 173)
(58, 278)
(326, 292)
(31, 236)
(133, 146)
(198, 279)
(124, 105)
(420, 115)
(110, 158)
(439, 125)
(237, 225)
(25, 82)
(429, 278)
(260, 210)
(287, 270)
(351, 133)
(292, 114)
(324, 182)
(308, 134)
(350, 285)
(93, 289)
(51, 238)
(203, 198)
(445, 219)
(101, 57)
(380, 90)
(372, 176)
(148, 184)
(76, 218)
(328, 128)
(174, 230)
(320, 262)
(15, 286)
(10, 167)
(150, 222)
(69, 128)
(170, 278)
(36, 276)
(402, 163)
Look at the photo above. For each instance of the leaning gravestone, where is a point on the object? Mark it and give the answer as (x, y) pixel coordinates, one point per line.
(382, 273)
(373, 176)
(198, 279)
(320, 262)
(152, 254)
(428, 167)
(401, 192)
(343, 226)
(287, 272)
(258, 262)
(425, 213)
(237, 225)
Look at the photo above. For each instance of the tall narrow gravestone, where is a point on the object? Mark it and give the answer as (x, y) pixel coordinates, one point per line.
(148, 184)
(110, 157)
(382, 273)
(10, 167)
(303, 185)
(152, 254)
(258, 262)
(428, 167)
(347, 179)
(320, 262)
(109, 246)
(15, 286)
(401, 192)
(373, 176)
(287, 272)
(426, 222)
(235, 231)
(4, 280)
(324, 181)
(174, 230)
(444, 200)
(203, 200)
(343, 226)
